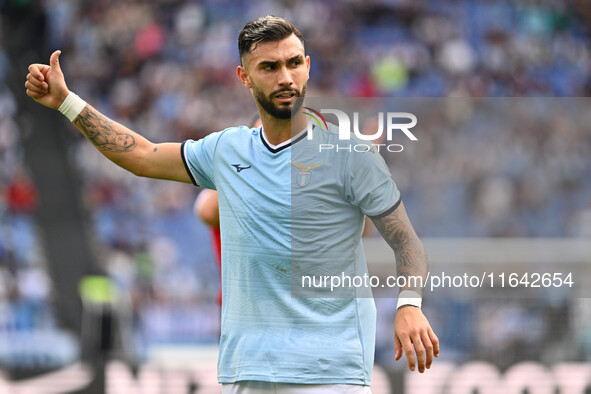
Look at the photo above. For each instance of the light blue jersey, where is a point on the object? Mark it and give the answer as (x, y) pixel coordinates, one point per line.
(286, 211)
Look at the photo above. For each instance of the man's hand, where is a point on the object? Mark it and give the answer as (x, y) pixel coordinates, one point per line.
(411, 329)
(45, 84)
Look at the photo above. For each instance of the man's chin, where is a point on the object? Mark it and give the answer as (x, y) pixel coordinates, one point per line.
(283, 112)
(290, 108)
(282, 115)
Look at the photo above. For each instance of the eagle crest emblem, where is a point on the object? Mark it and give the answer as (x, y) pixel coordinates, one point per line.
(304, 175)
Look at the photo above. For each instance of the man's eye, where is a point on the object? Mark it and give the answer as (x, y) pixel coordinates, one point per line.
(269, 67)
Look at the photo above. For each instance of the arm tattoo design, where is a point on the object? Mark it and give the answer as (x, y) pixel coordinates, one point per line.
(101, 132)
(411, 259)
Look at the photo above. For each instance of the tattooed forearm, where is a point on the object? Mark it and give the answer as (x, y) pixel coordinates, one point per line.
(101, 132)
(411, 259)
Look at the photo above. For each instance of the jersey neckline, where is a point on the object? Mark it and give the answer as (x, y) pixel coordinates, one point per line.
(285, 144)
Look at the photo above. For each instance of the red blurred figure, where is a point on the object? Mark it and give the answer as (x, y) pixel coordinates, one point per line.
(21, 194)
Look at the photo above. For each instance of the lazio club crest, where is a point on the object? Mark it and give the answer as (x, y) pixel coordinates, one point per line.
(304, 174)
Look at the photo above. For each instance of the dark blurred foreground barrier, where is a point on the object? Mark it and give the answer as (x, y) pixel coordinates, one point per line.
(179, 376)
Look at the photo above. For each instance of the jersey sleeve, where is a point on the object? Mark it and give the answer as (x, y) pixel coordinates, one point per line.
(370, 185)
(198, 157)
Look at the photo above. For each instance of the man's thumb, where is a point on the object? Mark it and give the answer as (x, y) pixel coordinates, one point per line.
(54, 61)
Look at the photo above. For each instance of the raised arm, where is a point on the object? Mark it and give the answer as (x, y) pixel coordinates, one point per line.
(411, 327)
(46, 85)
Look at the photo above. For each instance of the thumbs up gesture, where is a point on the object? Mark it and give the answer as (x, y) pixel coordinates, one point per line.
(46, 84)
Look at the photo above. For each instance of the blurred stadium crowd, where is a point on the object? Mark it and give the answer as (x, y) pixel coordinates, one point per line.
(166, 69)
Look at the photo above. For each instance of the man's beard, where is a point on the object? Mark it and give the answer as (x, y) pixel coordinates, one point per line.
(279, 112)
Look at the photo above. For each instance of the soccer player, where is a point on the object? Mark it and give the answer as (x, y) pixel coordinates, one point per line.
(270, 341)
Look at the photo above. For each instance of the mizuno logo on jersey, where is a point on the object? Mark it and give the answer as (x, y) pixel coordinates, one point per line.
(304, 174)
(239, 168)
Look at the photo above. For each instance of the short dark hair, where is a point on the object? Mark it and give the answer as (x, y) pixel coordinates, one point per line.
(264, 29)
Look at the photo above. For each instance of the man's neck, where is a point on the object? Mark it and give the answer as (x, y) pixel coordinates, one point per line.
(281, 130)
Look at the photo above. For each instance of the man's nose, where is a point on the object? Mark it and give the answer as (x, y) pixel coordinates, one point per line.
(285, 78)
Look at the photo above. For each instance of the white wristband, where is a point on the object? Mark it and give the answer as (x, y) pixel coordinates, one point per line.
(409, 297)
(72, 106)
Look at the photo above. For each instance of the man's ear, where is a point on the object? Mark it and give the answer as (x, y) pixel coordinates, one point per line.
(243, 76)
